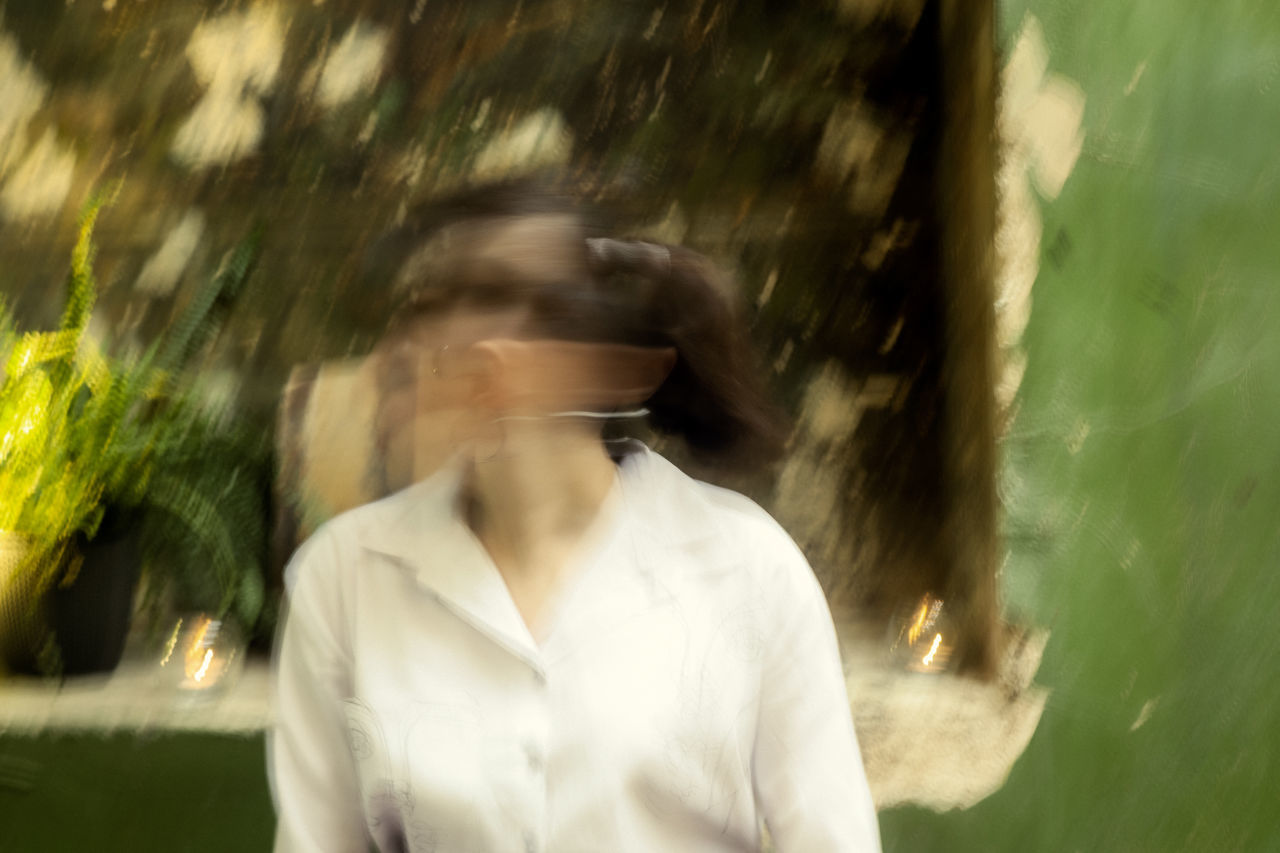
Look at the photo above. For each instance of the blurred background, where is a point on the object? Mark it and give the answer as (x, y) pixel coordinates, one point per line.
(1008, 266)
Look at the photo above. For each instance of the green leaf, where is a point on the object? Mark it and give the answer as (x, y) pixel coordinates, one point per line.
(249, 602)
(198, 321)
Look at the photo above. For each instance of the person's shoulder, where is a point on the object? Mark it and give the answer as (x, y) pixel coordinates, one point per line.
(353, 525)
(346, 528)
(338, 545)
(723, 542)
(738, 526)
(742, 514)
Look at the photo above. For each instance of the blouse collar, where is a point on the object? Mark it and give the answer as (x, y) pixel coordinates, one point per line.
(421, 529)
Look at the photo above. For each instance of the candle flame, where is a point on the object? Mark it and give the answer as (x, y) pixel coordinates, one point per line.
(173, 641)
(204, 665)
(933, 650)
(917, 623)
(198, 651)
(926, 615)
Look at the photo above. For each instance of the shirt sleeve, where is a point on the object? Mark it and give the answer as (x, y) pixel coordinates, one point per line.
(809, 779)
(312, 772)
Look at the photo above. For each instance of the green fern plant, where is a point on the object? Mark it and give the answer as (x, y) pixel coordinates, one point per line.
(203, 517)
(82, 433)
(56, 461)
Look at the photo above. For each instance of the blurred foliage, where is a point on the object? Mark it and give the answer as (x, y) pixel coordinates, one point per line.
(68, 429)
(704, 125)
(82, 433)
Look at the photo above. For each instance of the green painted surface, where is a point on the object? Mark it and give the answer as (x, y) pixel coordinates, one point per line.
(1151, 548)
(179, 793)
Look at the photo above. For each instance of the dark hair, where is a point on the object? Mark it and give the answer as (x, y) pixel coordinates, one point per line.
(628, 292)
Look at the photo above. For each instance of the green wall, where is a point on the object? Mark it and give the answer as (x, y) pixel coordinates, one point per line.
(1141, 472)
(177, 793)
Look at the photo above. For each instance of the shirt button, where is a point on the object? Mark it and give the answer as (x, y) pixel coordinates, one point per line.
(534, 755)
(539, 678)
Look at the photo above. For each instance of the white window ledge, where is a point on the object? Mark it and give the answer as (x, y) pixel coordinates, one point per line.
(940, 741)
(935, 740)
(134, 698)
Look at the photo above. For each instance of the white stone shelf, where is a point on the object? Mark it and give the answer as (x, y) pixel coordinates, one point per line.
(939, 741)
(134, 698)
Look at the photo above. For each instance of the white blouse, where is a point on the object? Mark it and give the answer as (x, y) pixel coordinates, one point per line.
(689, 685)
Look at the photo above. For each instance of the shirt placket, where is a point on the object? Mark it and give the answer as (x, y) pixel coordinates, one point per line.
(531, 717)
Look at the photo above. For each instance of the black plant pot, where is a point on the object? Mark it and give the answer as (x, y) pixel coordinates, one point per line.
(91, 617)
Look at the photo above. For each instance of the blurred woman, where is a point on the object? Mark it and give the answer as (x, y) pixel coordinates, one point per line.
(554, 639)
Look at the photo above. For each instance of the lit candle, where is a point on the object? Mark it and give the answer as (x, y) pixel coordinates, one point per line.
(923, 641)
(207, 654)
(205, 661)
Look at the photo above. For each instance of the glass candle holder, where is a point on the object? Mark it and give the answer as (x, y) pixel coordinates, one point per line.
(202, 658)
(921, 639)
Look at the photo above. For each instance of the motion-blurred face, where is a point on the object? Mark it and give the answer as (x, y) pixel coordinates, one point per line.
(486, 353)
(426, 405)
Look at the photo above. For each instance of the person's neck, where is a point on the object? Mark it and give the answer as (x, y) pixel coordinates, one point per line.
(531, 504)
